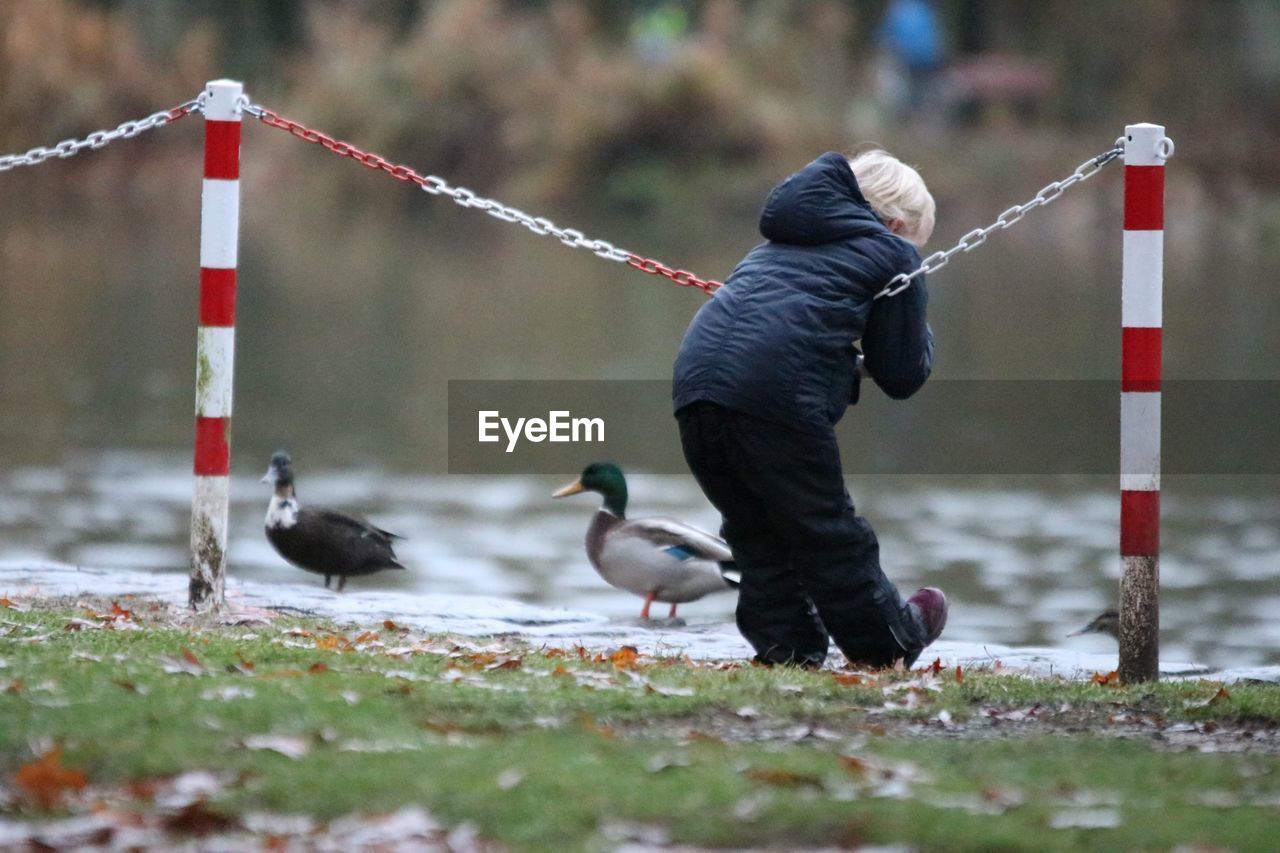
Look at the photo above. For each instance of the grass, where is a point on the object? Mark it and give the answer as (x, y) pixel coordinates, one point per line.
(575, 748)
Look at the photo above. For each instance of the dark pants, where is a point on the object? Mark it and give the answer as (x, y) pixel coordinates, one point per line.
(810, 565)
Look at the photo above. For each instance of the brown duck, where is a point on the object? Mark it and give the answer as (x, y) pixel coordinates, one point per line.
(660, 559)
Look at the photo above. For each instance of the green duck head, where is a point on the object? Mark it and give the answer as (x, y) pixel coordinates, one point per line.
(602, 477)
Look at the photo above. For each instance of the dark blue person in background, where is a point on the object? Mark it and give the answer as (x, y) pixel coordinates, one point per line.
(767, 368)
(913, 38)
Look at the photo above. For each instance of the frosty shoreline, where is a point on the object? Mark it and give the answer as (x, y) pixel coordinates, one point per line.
(467, 615)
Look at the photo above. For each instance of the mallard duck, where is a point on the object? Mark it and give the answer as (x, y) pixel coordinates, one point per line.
(320, 540)
(1106, 622)
(660, 559)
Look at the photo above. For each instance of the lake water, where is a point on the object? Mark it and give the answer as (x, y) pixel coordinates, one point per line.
(352, 318)
(1024, 562)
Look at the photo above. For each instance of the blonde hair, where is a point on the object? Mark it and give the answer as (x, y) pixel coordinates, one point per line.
(895, 191)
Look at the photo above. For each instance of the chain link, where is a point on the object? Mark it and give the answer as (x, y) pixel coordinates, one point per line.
(978, 236)
(101, 138)
(439, 186)
(684, 278)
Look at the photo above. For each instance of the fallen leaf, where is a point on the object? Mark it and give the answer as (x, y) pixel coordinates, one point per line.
(142, 789)
(508, 663)
(119, 612)
(46, 781)
(37, 638)
(959, 675)
(329, 643)
(287, 745)
(749, 807)
(188, 787)
(625, 657)
(317, 668)
(989, 802)
(663, 690)
(377, 746)
(588, 722)
(16, 686)
(561, 670)
(935, 667)
(389, 625)
(198, 819)
(783, 778)
(847, 679)
(11, 605)
(1219, 698)
(1110, 678)
(187, 664)
(855, 765)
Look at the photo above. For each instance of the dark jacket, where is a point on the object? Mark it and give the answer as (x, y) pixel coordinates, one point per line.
(777, 341)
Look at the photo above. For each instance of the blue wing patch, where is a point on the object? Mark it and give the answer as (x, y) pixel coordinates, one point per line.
(679, 553)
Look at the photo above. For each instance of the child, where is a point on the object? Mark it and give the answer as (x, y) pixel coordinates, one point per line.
(765, 371)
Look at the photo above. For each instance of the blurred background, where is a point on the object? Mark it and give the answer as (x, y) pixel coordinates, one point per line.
(658, 126)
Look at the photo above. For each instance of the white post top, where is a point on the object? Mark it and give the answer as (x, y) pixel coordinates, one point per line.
(1146, 145)
(222, 100)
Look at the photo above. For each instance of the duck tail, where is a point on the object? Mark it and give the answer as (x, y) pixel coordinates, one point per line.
(729, 571)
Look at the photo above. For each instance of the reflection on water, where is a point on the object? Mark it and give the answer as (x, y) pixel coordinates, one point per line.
(1024, 562)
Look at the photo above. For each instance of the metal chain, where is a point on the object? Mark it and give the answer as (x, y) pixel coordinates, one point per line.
(684, 278)
(978, 236)
(576, 239)
(439, 186)
(101, 138)
(539, 225)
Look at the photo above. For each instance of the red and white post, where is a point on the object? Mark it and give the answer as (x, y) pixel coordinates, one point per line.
(1145, 151)
(215, 343)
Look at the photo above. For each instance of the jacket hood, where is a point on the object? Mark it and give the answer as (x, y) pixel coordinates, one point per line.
(821, 203)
